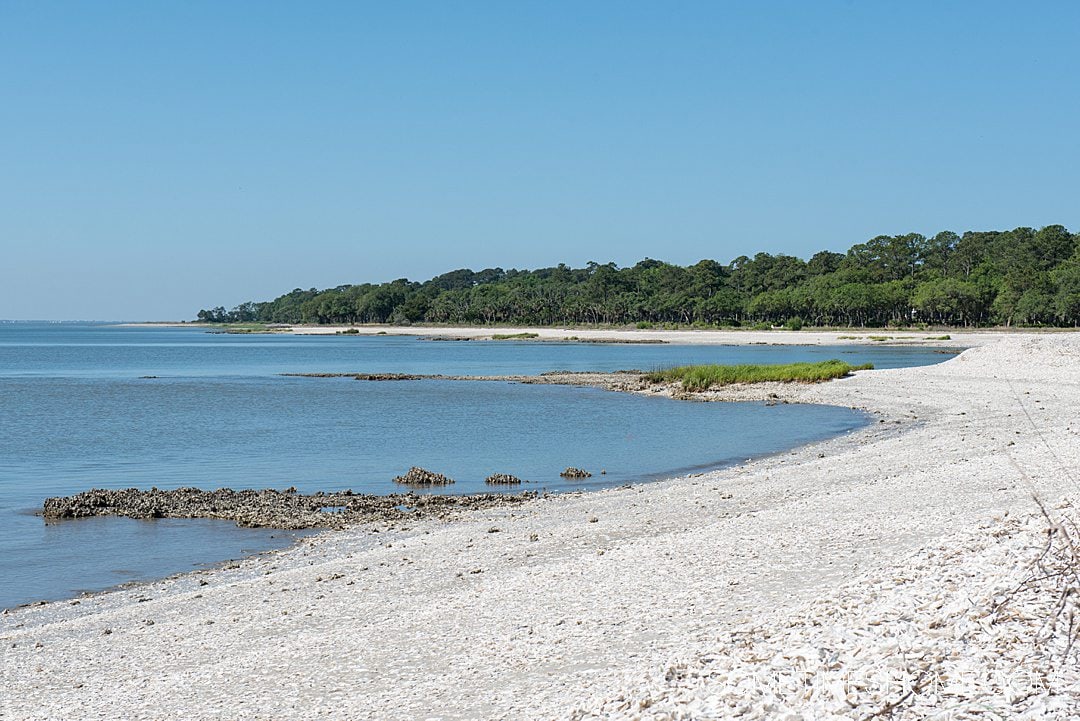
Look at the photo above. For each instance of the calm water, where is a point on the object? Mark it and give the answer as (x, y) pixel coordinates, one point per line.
(75, 414)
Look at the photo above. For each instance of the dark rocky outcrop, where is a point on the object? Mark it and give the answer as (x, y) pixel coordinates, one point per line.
(271, 508)
(572, 472)
(417, 476)
(502, 479)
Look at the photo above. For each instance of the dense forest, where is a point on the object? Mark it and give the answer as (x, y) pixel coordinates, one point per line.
(1018, 277)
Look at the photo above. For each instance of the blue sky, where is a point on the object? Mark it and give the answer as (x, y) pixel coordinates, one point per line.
(156, 158)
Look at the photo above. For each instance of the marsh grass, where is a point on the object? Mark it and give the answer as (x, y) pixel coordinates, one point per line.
(938, 337)
(241, 328)
(514, 336)
(703, 377)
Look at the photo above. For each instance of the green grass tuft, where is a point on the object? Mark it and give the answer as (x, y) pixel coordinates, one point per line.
(703, 377)
(938, 337)
(514, 336)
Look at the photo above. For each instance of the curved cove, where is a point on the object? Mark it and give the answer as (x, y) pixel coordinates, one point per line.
(327, 434)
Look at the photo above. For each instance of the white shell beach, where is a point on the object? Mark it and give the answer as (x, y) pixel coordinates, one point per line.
(863, 575)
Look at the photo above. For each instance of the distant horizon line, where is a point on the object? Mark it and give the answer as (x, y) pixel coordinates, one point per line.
(86, 320)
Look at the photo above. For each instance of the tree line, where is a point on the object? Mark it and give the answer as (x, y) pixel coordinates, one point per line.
(1023, 277)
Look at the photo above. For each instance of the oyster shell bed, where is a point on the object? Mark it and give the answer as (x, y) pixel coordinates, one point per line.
(417, 476)
(271, 508)
(982, 625)
(502, 479)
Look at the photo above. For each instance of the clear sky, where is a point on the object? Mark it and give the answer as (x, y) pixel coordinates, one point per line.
(161, 157)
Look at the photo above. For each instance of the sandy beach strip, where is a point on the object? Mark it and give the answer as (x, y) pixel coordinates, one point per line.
(961, 339)
(958, 338)
(676, 599)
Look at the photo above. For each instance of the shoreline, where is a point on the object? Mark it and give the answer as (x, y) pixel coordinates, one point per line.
(958, 337)
(664, 568)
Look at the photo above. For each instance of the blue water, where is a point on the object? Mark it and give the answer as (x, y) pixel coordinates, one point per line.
(75, 413)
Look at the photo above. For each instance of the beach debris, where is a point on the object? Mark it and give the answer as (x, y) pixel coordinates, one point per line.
(572, 472)
(502, 479)
(417, 476)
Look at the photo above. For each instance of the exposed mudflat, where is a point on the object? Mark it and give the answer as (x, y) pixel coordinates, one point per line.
(616, 380)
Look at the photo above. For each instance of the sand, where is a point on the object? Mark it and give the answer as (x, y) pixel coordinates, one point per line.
(833, 567)
(963, 339)
(958, 338)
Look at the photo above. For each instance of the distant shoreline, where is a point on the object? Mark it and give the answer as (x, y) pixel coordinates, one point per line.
(959, 338)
